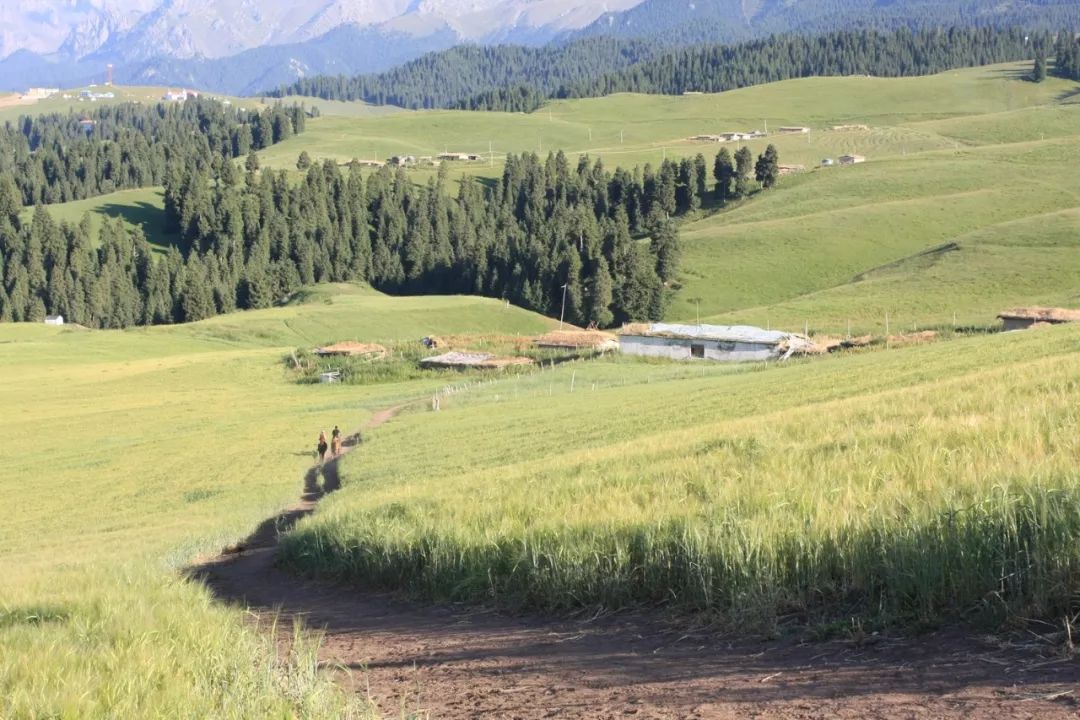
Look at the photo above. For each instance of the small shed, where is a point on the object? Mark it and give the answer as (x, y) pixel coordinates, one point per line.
(578, 340)
(851, 159)
(54, 319)
(723, 343)
(827, 162)
(459, 156)
(330, 376)
(349, 348)
(1023, 318)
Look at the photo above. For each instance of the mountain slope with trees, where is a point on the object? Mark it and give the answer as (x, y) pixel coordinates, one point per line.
(516, 79)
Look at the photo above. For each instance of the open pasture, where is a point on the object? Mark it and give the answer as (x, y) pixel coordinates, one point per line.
(628, 129)
(127, 455)
(896, 486)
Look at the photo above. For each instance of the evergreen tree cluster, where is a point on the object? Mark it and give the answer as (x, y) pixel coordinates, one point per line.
(1067, 55)
(56, 158)
(518, 79)
(51, 268)
(470, 77)
(543, 225)
(254, 238)
(863, 52)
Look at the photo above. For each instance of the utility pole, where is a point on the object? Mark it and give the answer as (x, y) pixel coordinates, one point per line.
(620, 136)
(562, 313)
(590, 134)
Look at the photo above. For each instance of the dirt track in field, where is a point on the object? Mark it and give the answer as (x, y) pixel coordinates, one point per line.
(443, 661)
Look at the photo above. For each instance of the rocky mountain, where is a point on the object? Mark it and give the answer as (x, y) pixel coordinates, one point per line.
(246, 46)
(237, 44)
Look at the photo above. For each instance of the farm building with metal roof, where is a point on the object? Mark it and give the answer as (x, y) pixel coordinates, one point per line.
(724, 343)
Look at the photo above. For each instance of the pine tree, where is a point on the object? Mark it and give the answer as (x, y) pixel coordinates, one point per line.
(724, 173)
(197, 295)
(665, 247)
(304, 161)
(1039, 72)
(744, 163)
(767, 168)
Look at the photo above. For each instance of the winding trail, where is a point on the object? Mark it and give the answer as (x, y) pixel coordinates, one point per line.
(447, 661)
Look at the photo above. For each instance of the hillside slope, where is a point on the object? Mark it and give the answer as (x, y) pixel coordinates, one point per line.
(131, 454)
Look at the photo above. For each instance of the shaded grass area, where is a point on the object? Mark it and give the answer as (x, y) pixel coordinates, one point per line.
(900, 487)
(143, 208)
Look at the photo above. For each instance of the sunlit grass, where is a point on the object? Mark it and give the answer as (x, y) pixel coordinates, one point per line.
(129, 454)
(905, 486)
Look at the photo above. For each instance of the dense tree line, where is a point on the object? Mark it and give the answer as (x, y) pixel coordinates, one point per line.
(513, 78)
(470, 77)
(1067, 55)
(61, 157)
(897, 54)
(711, 21)
(252, 238)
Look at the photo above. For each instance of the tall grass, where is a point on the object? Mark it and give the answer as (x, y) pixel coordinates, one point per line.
(897, 501)
(135, 644)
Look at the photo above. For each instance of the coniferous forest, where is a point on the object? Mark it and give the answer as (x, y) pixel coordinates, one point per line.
(56, 158)
(248, 239)
(1067, 55)
(512, 78)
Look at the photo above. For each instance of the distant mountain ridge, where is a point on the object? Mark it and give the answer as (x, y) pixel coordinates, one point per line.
(240, 46)
(248, 46)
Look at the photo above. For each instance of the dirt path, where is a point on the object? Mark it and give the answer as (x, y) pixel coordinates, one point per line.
(457, 662)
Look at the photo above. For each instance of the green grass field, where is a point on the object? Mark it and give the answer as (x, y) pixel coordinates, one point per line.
(629, 129)
(129, 454)
(968, 185)
(905, 485)
(148, 94)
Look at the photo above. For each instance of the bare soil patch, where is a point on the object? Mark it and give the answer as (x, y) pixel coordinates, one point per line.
(445, 661)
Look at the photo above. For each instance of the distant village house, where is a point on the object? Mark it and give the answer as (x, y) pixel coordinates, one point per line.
(37, 93)
(459, 156)
(793, 129)
(54, 319)
(1024, 318)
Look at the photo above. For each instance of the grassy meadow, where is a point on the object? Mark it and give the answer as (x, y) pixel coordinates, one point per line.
(897, 486)
(906, 485)
(965, 206)
(629, 129)
(127, 455)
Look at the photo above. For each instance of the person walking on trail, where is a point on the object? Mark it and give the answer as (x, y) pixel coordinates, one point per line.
(335, 434)
(321, 447)
(335, 445)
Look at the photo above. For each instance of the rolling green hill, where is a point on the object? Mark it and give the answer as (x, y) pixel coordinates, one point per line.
(967, 185)
(903, 486)
(898, 486)
(133, 452)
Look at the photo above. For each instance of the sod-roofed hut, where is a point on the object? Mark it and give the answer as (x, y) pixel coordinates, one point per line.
(478, 360)
(349, 348)
(578, 340)
(1025, 317)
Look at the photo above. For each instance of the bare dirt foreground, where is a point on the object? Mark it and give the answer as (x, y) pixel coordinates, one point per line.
(456, 662)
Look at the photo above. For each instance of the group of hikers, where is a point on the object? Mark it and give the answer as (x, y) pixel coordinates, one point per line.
(334, 446)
